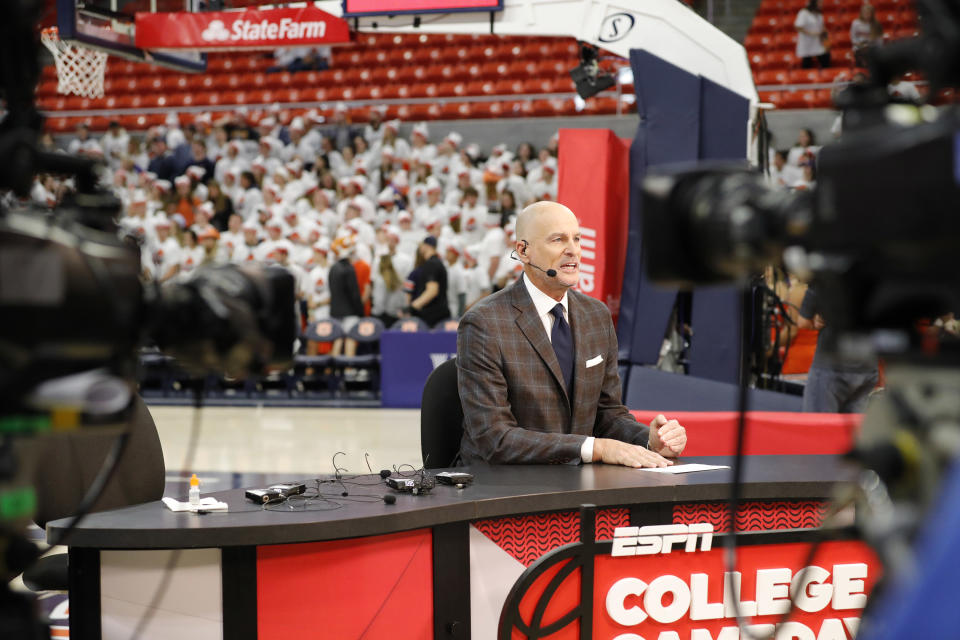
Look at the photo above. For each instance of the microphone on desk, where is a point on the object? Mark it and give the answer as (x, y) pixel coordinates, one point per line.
(551, 273)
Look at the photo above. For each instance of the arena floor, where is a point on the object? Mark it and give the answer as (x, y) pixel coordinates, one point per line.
(299, 441)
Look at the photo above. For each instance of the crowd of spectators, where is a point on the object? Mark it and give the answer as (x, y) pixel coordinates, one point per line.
(369, 222)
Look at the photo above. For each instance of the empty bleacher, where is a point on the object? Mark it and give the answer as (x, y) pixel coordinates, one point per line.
(415, 77)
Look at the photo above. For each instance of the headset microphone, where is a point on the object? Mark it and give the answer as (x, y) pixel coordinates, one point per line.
(551, 273)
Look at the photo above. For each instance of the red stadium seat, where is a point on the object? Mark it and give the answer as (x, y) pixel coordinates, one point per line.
(507, 87)
(262, 80)
(522, 69)
(889, 19)
(552, 68)
(566, 48)
(785, 23)
(773, 97)
(824, 99)
(542, 85)
(791, 100)
(803, 76)
(783, 60)
(418, 90)
(489, 110)
(758, 41)
(759, 60)
(785, 41)
(201, 83)
(841, 38)
(565, 83)
(769, 77)
(601, 105)
(553, 107)
(445, 89)
(493, 70)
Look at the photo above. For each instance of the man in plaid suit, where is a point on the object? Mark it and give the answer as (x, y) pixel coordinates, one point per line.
(537, 365)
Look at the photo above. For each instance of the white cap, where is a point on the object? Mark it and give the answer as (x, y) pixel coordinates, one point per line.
(196, 171)
(454, 139)
(421, 129)
(387, 195)
(433, 184)
(392, 124)
(181, 180)
(298, 124)
(400, 180)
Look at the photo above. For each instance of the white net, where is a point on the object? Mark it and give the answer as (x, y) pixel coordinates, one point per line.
(79, 69)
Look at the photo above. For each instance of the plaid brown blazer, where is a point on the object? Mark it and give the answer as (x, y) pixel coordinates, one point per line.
(515, 404)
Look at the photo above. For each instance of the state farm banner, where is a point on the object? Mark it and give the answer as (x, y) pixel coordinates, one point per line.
(247, 29)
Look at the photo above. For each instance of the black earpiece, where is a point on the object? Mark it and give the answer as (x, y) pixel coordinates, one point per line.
(390, 498)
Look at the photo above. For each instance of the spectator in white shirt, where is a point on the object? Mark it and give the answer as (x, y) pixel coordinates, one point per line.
(811, 36)
(83, 144)
(865, 30)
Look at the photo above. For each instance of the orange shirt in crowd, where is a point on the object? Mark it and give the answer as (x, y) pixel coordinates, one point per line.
(363, 281)
(185, 208)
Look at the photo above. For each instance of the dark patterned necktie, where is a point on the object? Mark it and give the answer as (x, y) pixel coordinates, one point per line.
(563, 345)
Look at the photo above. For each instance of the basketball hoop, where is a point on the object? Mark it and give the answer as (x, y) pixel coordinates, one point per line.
(79, 69)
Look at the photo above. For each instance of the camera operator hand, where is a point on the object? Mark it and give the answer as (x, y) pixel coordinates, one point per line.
(626, 454)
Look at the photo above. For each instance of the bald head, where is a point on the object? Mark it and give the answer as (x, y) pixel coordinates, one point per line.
(548, 240)
(538, 215)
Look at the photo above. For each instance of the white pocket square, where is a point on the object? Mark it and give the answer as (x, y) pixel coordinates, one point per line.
(592, 362)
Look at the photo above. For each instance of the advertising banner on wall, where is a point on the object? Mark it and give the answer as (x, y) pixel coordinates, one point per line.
(247, 29)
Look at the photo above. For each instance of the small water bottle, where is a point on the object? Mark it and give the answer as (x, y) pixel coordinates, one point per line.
(194, 495)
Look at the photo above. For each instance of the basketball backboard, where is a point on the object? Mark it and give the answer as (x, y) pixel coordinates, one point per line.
(108, 25)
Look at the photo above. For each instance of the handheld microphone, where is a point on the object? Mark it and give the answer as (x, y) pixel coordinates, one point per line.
(551, 273)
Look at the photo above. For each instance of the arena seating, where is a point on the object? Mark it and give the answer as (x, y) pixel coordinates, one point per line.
(771, 43)
(415, 77)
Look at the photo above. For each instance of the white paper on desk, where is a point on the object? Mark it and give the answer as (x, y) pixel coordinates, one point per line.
(686, 468)
(207, 504)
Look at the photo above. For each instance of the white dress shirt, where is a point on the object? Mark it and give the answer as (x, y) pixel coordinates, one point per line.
(544, 305)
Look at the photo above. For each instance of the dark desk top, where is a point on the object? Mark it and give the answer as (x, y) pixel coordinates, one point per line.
(496, 491)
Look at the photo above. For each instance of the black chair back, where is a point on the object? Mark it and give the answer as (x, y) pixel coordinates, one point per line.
(441, 417)
(326, 330)
(68, 463)
(366, 330)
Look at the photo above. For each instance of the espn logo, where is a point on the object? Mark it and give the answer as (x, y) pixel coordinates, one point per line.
(660, 538)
